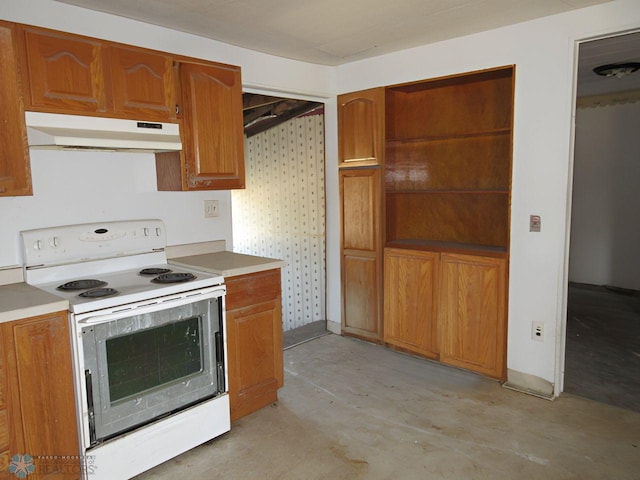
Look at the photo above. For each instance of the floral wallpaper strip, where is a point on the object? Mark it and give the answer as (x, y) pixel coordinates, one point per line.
(281, 213)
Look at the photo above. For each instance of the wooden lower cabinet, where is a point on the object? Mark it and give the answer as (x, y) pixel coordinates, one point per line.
(448, 307)
(472, 313)
(410, 298)
(254, 341)
(37, 390)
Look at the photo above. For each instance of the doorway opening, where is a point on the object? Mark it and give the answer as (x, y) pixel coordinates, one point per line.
(281, 212)
(602, 349)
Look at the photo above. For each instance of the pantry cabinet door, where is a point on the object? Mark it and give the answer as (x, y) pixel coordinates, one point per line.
(361, 251)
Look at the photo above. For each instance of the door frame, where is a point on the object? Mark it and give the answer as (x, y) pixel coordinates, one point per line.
(561, 330)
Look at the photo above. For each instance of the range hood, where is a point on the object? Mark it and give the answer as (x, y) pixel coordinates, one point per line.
(53, 130)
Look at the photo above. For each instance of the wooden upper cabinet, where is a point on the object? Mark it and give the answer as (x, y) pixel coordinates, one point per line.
(63, 72)
(15, 172)
(143, 83)
(361, 125)
(213, 140)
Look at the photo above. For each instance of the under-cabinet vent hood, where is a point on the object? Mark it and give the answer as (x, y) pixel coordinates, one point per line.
(52, 130)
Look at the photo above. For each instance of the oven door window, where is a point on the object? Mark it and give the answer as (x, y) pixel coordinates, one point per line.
(147, 360)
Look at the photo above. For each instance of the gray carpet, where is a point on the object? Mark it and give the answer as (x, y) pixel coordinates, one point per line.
(603, 345)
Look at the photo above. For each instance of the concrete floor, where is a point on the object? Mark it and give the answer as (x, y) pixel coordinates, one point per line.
(353, 410)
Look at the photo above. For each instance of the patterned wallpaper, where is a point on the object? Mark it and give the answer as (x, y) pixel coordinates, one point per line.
(281, 213)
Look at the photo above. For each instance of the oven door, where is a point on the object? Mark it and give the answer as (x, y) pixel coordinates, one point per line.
(143, 363)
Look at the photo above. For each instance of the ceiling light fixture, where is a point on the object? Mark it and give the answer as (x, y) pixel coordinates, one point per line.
(617, 70)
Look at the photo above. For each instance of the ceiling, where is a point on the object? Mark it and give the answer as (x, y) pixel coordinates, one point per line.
(612, 50)
(331, 32)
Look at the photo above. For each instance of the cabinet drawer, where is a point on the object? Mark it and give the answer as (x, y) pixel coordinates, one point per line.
(252, 289)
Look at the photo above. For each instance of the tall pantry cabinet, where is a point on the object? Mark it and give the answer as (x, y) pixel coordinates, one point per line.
(443, 207)
(360, 151)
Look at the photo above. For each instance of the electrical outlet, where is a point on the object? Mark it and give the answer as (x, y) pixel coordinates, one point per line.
(211, 208)
(537, 331)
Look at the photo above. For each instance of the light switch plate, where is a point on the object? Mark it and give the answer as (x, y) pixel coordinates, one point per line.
(211, 208)
(534, 223)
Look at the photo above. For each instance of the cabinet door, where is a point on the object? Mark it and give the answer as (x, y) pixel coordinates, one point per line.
(15, 172)
(5, 452)
(213, 129)
(472, 318)
(65, 73)
(143, 84)
(40, 393)
(361, 253)
(410, 293)
(255, 353)
(361, 128)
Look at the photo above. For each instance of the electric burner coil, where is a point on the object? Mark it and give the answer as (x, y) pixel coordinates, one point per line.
(82, 284)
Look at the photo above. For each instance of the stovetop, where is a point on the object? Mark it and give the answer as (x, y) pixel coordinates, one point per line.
(111, 255)
(130, 286)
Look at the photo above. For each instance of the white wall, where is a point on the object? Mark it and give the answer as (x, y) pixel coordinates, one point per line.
(76, 187)
(605, 225)
(543, 52)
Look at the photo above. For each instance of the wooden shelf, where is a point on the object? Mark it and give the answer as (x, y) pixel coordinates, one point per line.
(458, 136)
(471, 163)
(449, 247)
(448, 191)
(464, 217)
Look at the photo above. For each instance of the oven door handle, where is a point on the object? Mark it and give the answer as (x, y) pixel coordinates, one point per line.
(148, 307)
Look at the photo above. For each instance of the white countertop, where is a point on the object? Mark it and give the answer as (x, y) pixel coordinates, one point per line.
(19, 300)
(228, 264)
